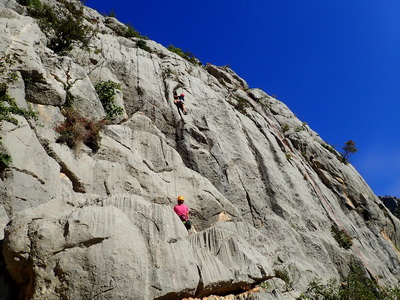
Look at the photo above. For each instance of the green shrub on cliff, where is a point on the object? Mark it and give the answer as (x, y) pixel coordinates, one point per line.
(106, 92)
(8, 106)
(63, 24)
(355, 286)
(343, 239)
(184, 54)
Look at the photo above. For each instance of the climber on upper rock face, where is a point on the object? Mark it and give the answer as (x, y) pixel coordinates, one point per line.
(179, 101)
(183, 212)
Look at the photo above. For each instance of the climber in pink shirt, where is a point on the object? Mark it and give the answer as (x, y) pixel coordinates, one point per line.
(183, 212)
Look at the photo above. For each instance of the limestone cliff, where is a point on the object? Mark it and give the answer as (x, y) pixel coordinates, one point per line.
(264, 189)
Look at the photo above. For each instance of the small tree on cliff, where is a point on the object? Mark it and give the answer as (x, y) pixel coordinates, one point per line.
(348, 149)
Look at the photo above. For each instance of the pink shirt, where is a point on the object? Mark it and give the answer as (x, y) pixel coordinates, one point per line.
(182, 211)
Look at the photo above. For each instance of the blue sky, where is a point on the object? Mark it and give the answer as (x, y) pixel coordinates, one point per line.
(335, 63)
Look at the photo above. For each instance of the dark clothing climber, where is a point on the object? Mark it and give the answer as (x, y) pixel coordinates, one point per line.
(179, 101)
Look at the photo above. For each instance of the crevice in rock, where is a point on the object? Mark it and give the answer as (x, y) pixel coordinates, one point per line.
(22, 199)
(249, 202)
(66, 229)
(157, 171)
(94, 241)
(163, 152)
(155, 224)
(200, 285)
(8, 287)
(77, 185)
(238, 290)
(102, 293)
(108, 192)
(245, 294)
(85, 244)
(166, 94)
(172, 296)
(119, 142)
(30, 174)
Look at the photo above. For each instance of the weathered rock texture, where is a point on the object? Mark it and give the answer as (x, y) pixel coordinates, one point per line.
(263, 188)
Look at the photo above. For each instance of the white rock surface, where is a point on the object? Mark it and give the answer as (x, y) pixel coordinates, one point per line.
(263, 190)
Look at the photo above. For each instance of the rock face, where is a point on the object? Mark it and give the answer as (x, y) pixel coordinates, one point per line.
(392, 203)
(263, 188)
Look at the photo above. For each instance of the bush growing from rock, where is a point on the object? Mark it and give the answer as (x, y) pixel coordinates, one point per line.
(285, 127)
(5, 161)
(184, 54)
(355, 286)
(349, 148)
(329, 148)
(142, 44)
(106, 92)
(241, 105)
(343, 239)
(289, 275)
(8, 107)
(77, 129)
(28, 2)
(62, 24)
(131, 32)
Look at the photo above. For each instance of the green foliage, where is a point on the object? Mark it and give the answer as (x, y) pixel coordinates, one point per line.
(301, 128)
(5, 161)
(265, 285)
(77, 129)
(334, 152)
(106, 92)
(62, 24)
(284, 275)
(28, 2)
(241, 105)
(349, 148)
(131, 32)
(142, 44)
(356, 286)
(185, 54)
(343, 239)
(69, 98)
(318, 291)
(8, 107)
(329, 148)
(6, 62)
(265, 104)
(285, 127)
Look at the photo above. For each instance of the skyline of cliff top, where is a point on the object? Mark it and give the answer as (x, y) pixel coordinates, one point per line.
(335, 64)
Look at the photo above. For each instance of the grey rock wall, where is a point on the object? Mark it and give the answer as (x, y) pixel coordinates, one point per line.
(263, 190)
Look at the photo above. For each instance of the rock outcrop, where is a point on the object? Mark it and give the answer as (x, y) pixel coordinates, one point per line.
(392, 203)
(263, 188)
